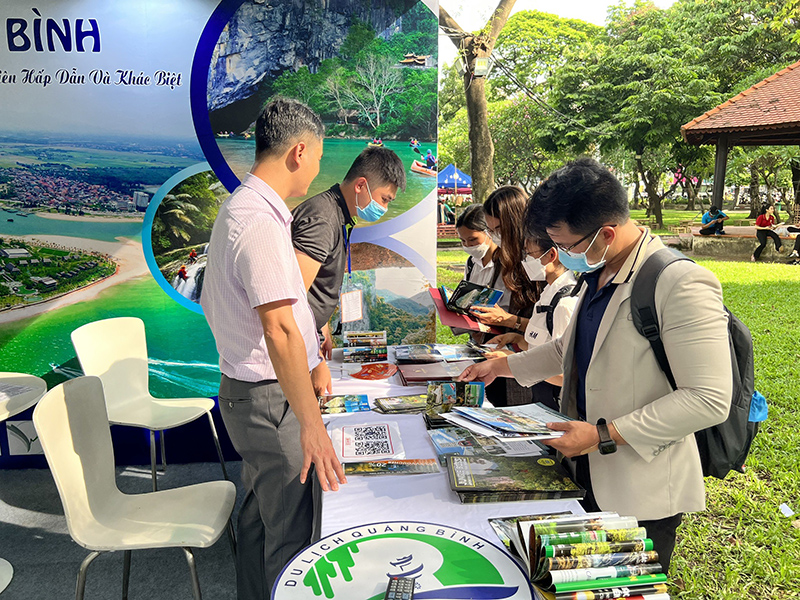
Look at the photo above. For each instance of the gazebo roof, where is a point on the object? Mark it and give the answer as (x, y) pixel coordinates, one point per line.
(767, 114)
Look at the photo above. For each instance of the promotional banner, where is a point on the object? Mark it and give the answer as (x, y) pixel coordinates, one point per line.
(126, 125)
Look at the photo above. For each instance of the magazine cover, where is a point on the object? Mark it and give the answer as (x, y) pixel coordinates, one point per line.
(332, 405)
(504, 421)
(468, 294)
(444, 395)
(402, 404)
(480, 479)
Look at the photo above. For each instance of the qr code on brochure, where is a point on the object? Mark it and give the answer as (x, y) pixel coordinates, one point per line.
(374, 440)
(370, 432)
(370, 447)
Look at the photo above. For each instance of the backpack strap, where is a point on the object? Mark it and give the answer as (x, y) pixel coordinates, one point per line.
(470, 267)
(643, 304)
(495, 273)
(550, 309)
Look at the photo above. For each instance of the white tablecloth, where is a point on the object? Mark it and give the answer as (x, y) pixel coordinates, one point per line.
(428, 498)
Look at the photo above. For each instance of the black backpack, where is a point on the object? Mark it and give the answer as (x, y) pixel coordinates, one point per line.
(723, 447)
(551, 308)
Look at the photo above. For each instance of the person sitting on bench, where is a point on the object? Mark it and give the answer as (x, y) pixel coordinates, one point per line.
(713, 221)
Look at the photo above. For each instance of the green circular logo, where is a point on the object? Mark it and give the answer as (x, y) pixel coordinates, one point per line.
(445, 562)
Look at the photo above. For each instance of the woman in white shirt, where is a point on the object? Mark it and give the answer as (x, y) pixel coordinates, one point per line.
(551, 313)
(481, 267)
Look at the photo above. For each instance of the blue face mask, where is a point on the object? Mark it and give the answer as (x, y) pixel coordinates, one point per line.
(578, 262)
(373, 211)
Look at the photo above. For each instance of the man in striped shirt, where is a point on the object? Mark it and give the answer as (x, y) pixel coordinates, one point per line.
(256, 305)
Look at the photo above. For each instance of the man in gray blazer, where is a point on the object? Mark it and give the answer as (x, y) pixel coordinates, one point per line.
(647, 464)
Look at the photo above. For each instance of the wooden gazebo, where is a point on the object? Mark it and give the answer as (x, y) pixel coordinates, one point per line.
(767, 114)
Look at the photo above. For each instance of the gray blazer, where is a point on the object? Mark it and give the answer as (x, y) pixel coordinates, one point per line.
(658, 474)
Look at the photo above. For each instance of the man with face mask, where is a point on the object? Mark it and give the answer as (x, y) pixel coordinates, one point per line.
(321, 229)
(633, 435)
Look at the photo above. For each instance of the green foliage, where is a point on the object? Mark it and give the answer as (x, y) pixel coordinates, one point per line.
(186, 215)
(533, 45)
(454, 141)
(364, 81)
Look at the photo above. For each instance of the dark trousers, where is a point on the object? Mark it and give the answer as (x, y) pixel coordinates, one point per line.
(276, 519)
(716, 227)
(793, 229)
(661, 531)
(762, 235)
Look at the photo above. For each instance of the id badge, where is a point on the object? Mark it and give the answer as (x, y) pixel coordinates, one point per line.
(351, 306)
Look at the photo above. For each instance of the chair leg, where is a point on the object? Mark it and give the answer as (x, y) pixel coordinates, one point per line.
(216, 443)
(231, 538)
(193, 569)
(81, 587)
(126, 573)
(153, 459)
(163, 451)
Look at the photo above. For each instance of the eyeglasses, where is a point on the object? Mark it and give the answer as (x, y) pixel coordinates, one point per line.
(583, 239)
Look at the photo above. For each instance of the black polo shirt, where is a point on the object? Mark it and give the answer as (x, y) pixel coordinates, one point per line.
(318, 232)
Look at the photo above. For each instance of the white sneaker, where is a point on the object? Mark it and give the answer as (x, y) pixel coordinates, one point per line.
(794, 254)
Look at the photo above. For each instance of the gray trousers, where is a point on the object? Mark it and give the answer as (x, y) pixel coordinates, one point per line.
(276, 519)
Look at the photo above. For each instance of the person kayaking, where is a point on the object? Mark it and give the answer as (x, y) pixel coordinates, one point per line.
(430, 160)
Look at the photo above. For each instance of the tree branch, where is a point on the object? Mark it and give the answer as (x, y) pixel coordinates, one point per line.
(499, 18)
(451, 29)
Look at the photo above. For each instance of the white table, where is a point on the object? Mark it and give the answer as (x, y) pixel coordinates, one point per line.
(10, 406)
(428, 498)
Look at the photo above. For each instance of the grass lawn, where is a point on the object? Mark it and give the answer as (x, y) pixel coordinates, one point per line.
(675, 217)
(741, 546)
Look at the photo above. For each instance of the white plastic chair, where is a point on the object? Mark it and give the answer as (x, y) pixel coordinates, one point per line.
(115, 350)
(74, 430)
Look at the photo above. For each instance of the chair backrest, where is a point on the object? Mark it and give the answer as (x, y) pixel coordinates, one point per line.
(115, 350)
(73, 428)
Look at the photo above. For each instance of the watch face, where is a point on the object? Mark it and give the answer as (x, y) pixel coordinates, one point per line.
(607, 447)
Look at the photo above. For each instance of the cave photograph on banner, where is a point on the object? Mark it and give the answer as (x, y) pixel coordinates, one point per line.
(369, 69)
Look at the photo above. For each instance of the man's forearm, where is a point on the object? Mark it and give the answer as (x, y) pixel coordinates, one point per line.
(287, 353)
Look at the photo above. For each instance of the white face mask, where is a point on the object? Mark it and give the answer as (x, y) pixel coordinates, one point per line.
(495, 237)
(477, 252)
(534, 268)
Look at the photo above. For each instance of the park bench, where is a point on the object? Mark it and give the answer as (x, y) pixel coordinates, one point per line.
(738, 243)
(444, 230)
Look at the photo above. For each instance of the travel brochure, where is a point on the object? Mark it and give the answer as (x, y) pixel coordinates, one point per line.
(429, 353)
(596, 555)
(349, 403)
(468, 294)
(460, 441)
(508, 479)
(528, 421)
(409, 466)
(364, 346)
(414, 403)
(444, 395)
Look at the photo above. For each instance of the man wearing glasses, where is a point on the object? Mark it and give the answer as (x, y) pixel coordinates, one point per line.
(648, 464)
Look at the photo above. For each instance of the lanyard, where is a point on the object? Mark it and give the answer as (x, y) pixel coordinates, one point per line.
(347, 247)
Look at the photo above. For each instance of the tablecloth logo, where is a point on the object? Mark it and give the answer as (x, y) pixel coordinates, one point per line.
(446, 562)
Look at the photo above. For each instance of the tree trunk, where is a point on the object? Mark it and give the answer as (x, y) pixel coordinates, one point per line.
(653, 199)
(636, 197)
(755, 199)
(736, 190)
(472, 46)
(480, 138)
(795, 166)
(690, 193)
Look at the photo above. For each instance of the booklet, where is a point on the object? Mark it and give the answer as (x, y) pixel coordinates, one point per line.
(468, 294)
(349, 403)
(409, 466)
(460, 441)
(413, 403)
(506, 423)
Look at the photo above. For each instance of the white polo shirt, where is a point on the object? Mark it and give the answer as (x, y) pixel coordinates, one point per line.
(251, 262)
(536, 332)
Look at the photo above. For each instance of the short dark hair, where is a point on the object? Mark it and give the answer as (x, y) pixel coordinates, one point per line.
(473, 218)
(379, 165)
(282, 123)
(583, 194)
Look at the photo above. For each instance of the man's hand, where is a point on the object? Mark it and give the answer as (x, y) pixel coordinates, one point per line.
(327, 342)
(490, 315)
(321, 379)
(486, 371)
(580, 438)
(318, 449)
